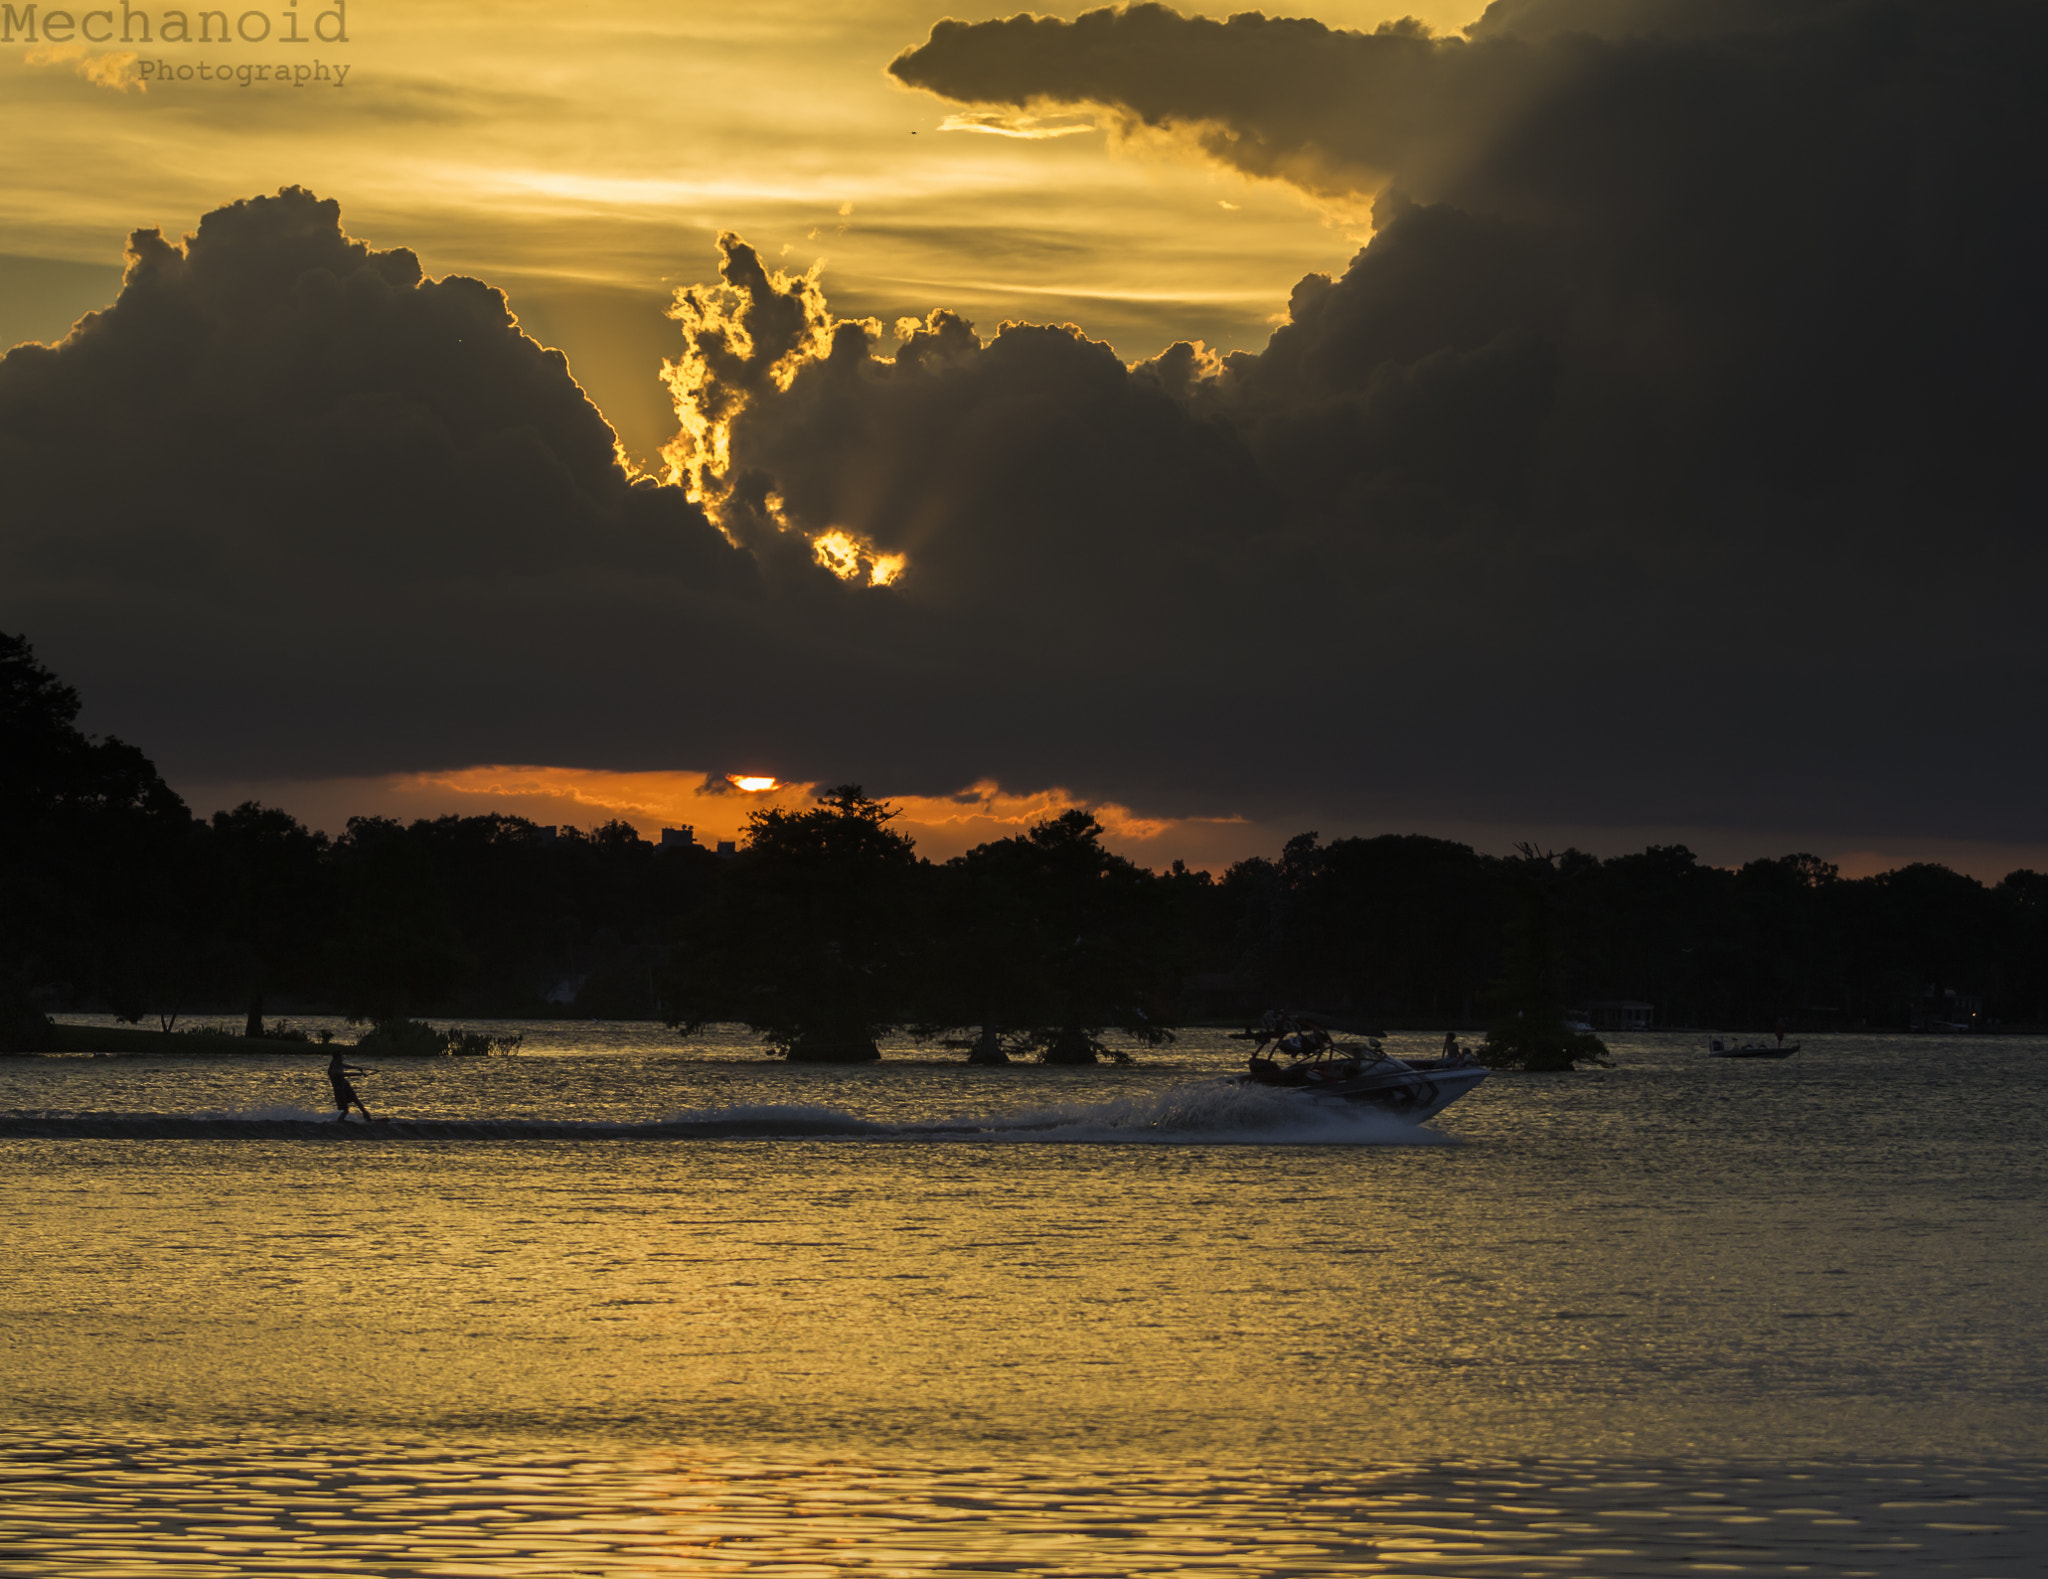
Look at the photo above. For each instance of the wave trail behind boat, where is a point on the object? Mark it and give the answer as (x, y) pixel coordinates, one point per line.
(1207, 1112)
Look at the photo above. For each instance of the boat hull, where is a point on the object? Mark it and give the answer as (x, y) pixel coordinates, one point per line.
(1414, 1094)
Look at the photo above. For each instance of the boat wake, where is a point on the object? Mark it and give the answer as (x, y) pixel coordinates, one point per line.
(1201, 1113)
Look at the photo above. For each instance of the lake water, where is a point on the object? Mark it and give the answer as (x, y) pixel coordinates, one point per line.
(624, 1305)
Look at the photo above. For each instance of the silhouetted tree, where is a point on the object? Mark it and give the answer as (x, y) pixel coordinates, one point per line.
(810, 938)
(1053, 939)
(274, 903)
(1277, 944)
(1401, 923)
(1655, 925)
(394, 946)
(978, 968)
(2023, 966)
(1916, 934)
(827, 928)
(1788, 960)
(87, 831)
(1527, 1030)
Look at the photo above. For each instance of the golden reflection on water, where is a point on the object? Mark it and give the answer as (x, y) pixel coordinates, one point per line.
(159, 1505)
(703, 1316)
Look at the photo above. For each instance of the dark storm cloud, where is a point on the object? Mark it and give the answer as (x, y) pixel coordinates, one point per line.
(1755, 235)
(1284, 97)
(1664, 458)
(287, 506)
(1030, 480)
(1685, 397)
(275, 398)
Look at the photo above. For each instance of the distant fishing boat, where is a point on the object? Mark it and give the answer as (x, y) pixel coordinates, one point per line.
(1716, 1048)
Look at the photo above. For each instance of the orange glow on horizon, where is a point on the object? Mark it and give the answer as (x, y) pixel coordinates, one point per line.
(942, 825)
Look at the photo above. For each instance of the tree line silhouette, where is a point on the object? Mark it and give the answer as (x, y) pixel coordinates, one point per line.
(827, 931)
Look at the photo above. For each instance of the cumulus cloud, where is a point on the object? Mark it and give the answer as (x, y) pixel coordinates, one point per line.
(1332, 111)
(274, 397)
(1663, 457)
(1027, 480)
(306, 509)
(1758, 237)
(1697, 332)
(1678, 403)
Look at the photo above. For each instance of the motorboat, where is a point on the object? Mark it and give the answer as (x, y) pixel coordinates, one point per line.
(1716, 1048)
(1301, 1056)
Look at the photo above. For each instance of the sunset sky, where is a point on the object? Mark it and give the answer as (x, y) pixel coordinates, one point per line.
(584, 158)
(1651, 475)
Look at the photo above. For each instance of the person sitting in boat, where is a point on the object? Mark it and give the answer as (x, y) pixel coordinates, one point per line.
(1308, 1042)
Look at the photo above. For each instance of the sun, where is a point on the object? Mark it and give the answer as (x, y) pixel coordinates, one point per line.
(752, 785)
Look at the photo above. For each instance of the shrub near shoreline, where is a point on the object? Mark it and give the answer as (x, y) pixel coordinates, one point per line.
(417, 1039)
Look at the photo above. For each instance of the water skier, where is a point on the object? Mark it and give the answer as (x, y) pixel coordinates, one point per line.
(344, 1093)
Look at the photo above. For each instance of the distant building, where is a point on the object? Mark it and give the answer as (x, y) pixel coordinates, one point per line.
(728, 847)
(679, 838)
(547, 834)
(1621, 1014)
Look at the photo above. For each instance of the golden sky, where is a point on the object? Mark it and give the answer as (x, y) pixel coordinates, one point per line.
(584, 158)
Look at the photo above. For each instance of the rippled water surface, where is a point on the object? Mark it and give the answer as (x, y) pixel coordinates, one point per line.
(623, 1305)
